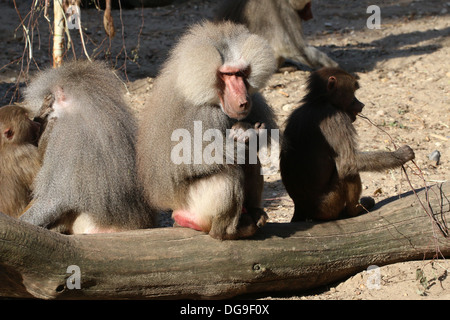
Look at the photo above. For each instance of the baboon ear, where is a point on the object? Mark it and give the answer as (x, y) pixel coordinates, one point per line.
(332, 82)
(60, 95)
(9, 133)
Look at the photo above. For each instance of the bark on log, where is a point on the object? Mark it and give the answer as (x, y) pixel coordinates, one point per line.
(174, 263)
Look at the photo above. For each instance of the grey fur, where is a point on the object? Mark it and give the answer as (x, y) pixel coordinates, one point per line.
(89, 161)
(279, 23)
(186, 91)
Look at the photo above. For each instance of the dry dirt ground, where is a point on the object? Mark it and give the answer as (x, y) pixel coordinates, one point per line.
(404, 76)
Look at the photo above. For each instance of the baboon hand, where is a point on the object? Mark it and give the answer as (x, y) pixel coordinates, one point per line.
(242, 131)
(405, 153)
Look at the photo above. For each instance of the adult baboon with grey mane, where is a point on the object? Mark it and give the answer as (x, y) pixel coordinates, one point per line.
(210, 82)
(87, 183)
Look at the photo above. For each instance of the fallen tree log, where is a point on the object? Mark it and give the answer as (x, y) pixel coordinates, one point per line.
(174, 263)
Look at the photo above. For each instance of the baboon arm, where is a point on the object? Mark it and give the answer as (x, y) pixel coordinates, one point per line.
(377, 161)
(314, 57)
(340, 136)
(43, 141)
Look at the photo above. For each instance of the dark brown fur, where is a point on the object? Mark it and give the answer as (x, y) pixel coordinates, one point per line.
(19, 159)
(320, 162)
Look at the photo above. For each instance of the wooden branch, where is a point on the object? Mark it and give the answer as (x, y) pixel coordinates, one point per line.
(182, 263)
(108, 21)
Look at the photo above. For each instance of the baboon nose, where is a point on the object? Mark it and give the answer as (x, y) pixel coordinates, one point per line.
(244, 105)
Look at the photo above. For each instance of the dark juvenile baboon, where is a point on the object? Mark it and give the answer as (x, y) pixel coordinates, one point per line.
(210, 81)
(320, 162)
(88, 181)
(280, 22)
(19, 158)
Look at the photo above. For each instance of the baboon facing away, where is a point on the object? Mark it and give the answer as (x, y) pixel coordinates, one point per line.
(210, 81)
(87, 183)
(319, 159)
(19, 158)
(280, 22)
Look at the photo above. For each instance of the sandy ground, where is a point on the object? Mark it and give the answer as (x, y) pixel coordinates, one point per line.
(404, 76)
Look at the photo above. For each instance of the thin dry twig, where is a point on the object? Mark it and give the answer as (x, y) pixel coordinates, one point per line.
(124, 48)
(30, 28)
(436, 224)
(27, 24)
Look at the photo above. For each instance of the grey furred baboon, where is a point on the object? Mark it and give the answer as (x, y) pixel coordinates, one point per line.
(319, 159)
(88, 182)
(212, 77)
(19, 158)
(280, 22)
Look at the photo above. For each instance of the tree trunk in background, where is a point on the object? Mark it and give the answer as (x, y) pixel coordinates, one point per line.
(58, 35)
